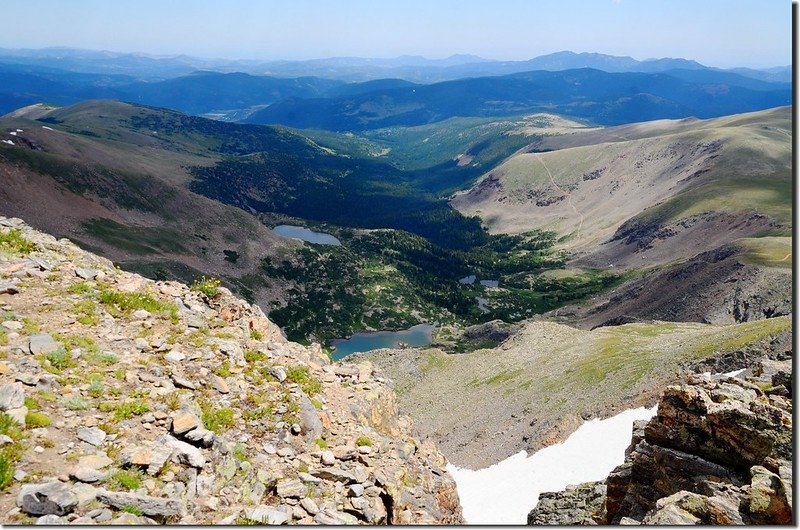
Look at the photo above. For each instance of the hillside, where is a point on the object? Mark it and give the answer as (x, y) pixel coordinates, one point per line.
(129, 401)
(550, 377)
(678, 204)
(178, 197)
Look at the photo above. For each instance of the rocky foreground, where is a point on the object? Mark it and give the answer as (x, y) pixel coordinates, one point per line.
(719, 451)
(130, 401)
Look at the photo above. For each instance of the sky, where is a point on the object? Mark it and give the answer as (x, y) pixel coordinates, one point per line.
(721, 33)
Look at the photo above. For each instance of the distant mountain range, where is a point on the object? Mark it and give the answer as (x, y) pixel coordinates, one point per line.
(409, 67)
(593, 95)
(598, 88)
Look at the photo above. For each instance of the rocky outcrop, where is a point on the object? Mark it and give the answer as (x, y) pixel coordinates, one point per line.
(719, 451)
(129, 401)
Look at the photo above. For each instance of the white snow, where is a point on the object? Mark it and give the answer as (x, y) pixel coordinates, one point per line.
(9, 142)
(19, 130)
(12, 133)
(734, 373)
(46, 127)
(505, 492)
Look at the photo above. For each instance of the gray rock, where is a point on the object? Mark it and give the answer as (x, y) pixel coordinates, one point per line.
(335, 474)
(328, 458)
(87, 474)
(8, 288)
(279, 373)
(234, 352)
(141, 314)
(86, 274)
(92, 435)
(182, 382)
(333, 517)
(355, 490)
(12, 396)
(148, 505)
(86, 493)
(266, 515)
(45, 499)
(309, 418)
(42, 343)
(291, 488)
(18, 414)
(175, 356)
(187, 454)
(51, 520)
(201, 437)
(309, 505)
(286, 451)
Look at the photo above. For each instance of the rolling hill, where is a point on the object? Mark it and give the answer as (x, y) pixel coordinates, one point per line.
(676, 201)
(594, 95)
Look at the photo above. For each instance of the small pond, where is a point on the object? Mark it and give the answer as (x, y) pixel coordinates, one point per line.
(299, 232)
(416, 336)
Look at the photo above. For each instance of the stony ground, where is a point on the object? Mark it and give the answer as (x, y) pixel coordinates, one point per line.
(131, 401)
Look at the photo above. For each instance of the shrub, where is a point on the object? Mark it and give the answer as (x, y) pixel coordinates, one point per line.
(321, 443)
(363, 441)
(37, 419)
(59, 358)
(256, 335)
(128, 479)
(76, 403)
(252, 356)
(12, 241)
(79, 288)
(10, 427)
(86, 313)
(6, 471)
(207, 286)
(122, 304)
(302, 376)
(224, 369)
(216, 420)
(128, 409)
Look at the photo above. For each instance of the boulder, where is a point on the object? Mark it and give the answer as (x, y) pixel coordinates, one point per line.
(42, 343)
(12, 396)
(153, 506)
(49, 498)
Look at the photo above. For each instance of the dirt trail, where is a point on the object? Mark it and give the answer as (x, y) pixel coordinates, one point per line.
(568, 194)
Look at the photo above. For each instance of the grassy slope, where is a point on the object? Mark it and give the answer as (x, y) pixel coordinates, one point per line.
(551, 374)
(658, 179)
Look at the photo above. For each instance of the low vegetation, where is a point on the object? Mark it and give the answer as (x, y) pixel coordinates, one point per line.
(11, 241)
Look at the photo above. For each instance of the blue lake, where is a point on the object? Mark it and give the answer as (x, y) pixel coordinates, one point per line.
(299, 232)
(419, 335)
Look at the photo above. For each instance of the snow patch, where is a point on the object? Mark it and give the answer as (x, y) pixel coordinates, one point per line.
(505, 492)
(734, 373)
(46, 127)
(12, 133)
(9, 142)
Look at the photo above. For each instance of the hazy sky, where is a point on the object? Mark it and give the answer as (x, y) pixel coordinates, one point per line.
(720, 33)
